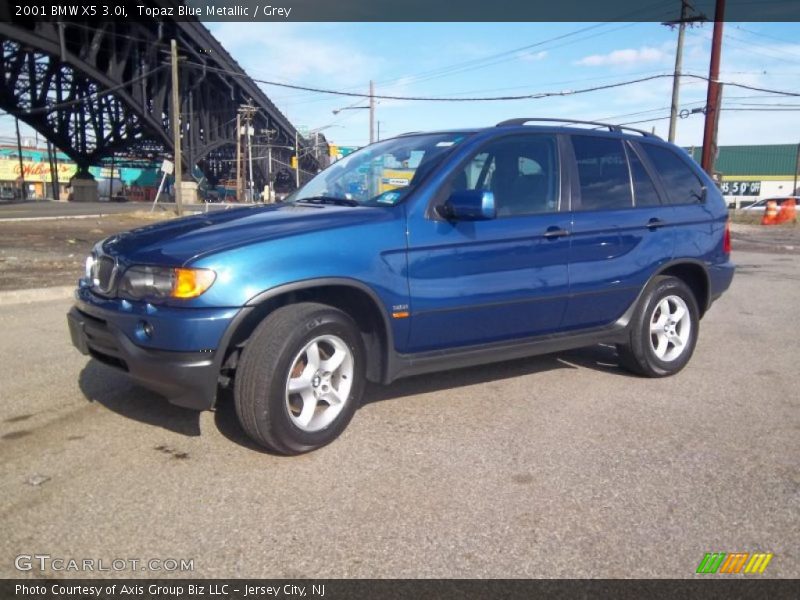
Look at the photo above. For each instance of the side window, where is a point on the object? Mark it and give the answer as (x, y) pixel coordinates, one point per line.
(681, 184)
(644, 190)
(521, 171)
(603, 173)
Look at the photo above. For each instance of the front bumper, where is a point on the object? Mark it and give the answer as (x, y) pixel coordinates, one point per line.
(187, 379)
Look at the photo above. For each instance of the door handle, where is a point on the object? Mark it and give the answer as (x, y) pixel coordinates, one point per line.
(555, 232)
(655, 223)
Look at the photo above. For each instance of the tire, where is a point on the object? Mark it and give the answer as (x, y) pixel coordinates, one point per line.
(663, 330)
(281, 373)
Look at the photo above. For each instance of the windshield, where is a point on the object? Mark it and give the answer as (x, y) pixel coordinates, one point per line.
(379, 174)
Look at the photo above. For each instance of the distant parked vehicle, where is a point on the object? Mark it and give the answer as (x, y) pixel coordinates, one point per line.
(8, 193)
(761, 205)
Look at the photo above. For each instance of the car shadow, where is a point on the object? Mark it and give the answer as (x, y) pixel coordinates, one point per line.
(228, 423)
(115, 391)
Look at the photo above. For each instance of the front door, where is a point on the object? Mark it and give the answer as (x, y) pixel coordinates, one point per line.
(477, 282)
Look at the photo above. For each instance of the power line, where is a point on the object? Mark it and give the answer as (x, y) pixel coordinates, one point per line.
(723, 109)
(533, 96)
(479, 63)
(764, 35)
(513, 53)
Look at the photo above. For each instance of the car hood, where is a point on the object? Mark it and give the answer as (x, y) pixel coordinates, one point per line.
(180, 241)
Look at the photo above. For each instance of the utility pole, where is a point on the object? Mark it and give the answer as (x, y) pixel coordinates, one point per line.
(297, 158)
(676, 80)
(715, 147)
(712, 98)
(176, 126)
(111, 181)
(269, 167)
(245, 120)
(52, 156)
(269, 133)
(371, 111)
(238, 156)
(252, 185)
(21, 166)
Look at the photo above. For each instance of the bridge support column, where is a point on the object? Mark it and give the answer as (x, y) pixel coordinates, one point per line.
(189, 192)
(84, 186)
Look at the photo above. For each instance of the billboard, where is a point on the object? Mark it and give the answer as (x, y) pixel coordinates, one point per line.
(35, 171)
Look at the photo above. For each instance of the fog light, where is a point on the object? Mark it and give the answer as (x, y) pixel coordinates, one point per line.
(144, 330)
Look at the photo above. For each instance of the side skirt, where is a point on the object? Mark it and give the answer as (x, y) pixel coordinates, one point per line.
(407, 365)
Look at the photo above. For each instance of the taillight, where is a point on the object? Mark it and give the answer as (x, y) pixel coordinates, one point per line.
(726, 239)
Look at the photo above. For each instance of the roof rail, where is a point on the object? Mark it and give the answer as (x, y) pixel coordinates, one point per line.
(610, 126)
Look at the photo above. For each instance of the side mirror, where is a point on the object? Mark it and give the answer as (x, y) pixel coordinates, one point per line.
(468, 205)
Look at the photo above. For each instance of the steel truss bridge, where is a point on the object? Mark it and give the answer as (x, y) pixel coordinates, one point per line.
(96, 89)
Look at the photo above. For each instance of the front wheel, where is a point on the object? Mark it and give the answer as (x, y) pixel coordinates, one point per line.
(663, 330)
(300, 378)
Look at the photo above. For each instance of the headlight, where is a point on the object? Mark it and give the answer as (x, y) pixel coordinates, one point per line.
(89, 266)
(165, 282)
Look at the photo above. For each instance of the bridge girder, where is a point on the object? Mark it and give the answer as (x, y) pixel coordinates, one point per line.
(98, 88)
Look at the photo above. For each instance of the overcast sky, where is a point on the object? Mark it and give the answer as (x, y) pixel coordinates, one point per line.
(488, 59)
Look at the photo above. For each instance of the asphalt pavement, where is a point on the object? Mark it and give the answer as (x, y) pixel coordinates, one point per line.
(556, 466)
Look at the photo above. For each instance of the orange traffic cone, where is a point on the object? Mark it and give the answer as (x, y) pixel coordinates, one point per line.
(771, 214)
(788, 212)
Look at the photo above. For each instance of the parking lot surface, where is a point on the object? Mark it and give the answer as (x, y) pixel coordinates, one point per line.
(555, 466)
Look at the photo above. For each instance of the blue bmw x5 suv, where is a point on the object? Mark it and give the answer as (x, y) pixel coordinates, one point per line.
(424, 252)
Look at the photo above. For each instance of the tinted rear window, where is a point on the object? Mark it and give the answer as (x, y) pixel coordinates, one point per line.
(603, 173)
(680, 183)
(644, 190)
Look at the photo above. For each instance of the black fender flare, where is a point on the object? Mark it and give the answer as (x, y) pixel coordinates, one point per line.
(623, 321)
(305, 284)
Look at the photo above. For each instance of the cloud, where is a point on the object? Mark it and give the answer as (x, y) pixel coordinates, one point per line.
(297, 54)
(532, 56)
(626, 57)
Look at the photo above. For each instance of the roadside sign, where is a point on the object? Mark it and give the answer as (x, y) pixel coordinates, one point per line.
(740, 188)
(167, 167)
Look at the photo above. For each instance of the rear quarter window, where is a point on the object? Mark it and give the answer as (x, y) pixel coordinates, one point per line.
(602, 172)
(680, 183)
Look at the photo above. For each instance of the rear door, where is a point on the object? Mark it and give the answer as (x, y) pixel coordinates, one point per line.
(476, 282)
(697, 234)
(621, 231)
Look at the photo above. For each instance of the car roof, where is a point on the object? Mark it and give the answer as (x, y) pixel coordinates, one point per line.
(549, 124)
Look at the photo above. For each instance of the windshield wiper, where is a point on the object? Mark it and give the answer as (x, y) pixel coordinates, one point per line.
(328, 200)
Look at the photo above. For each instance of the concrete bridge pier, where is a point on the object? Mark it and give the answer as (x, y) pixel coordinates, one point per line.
(84, 186)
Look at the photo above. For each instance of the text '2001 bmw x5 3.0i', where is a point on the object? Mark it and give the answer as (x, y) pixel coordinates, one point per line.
(423, 252)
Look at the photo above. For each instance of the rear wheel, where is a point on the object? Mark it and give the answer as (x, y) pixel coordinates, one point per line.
(663, 330)
(300, 378)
